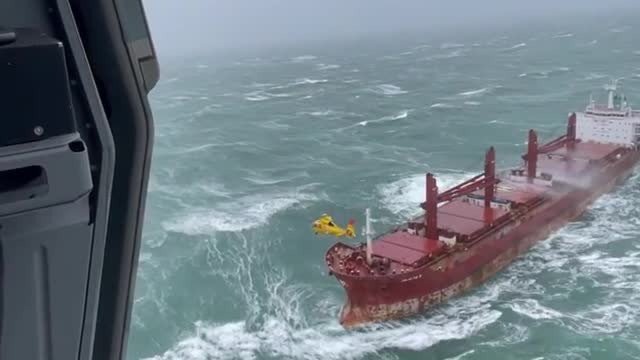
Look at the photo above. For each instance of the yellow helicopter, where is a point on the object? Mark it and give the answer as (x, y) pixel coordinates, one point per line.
(325, 225)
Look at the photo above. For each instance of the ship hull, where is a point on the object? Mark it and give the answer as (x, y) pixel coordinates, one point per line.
(374, 299)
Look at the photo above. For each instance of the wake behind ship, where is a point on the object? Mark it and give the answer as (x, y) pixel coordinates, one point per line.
(473, 230)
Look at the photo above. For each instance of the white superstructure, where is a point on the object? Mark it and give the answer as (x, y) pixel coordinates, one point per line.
(609, 124)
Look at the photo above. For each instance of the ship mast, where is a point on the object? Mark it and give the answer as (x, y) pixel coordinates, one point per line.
(367, 230)
(532, 155)
(431, 221)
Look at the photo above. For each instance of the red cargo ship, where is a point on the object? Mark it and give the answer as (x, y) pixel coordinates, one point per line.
(473, 230)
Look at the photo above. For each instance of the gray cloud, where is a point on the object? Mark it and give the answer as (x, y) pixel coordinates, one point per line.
(199, 25)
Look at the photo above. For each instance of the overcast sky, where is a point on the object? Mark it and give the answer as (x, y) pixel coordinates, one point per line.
(195, 25)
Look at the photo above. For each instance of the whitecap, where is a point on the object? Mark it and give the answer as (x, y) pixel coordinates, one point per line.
(474, 92)
(321, 113)
(449, 55)
(181, 97)
(451, 45)
(441, 106)
(327, 66)
(303, 58)
(459, 357)
(402, 197)
(256, 98)
(515, 47)
(533, 309)
(244, 213)
(397, 116)
(420, 47)
(562, 35)
(306, 81)
(389, 89)
(595, 76)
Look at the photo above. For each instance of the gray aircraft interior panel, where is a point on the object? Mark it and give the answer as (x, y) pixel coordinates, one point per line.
(74, 80)
(46, 269)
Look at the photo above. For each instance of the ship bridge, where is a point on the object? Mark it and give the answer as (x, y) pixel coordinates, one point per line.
(615, 123)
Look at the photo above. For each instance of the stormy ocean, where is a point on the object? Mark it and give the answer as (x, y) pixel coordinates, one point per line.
(250, 150)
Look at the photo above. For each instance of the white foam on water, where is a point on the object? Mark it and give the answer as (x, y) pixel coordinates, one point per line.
(286, 330)
(515, 47)
(321, 113)
(442, 106)
(256, 96)
(474, 92)
(472, 103)
(274, 125)
(260, 85)
(389, 89)
(512, 334)
(322, 67)
(402, 197)
(284, 333)
(303, 58)
(306, 81)
(277, 340)
(451, 46)
(244, 213)
(420, 47)
(260, 179)
(595, 76)
(449, 55)
(397, 116)
(533, 309)
(458, 357)
(561, 36)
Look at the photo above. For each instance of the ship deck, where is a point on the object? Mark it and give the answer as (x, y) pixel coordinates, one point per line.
(468, 219)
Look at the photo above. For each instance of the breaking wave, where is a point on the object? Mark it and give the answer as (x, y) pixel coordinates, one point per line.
(286, 332)
(244, 213)
(403, 196)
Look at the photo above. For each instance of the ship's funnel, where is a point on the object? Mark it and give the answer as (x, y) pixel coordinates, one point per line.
(431, 217)
(532, 155)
